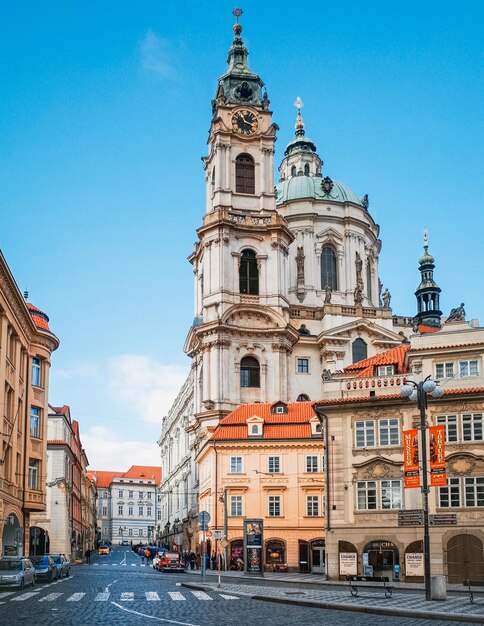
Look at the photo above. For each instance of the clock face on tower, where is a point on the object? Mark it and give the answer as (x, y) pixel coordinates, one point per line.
(244, 122)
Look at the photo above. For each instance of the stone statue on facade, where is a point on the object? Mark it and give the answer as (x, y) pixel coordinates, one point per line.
(359, 267)
(380, 287)
(358, 295)
(328, 292)
(386, 297)
(457, 315)
(303, 330)
(300, 264)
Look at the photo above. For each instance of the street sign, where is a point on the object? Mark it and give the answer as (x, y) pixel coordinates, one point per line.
(412, 517)
(224, 543)
(208, 534)
(217, 535)
(443, 519)
(204, 517)
(203, 527)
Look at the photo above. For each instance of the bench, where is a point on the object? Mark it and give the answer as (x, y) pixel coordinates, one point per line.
(369, 582)
(473, 583)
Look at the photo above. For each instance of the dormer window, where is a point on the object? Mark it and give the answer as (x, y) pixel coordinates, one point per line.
(255, 427)
(386, 370)
(316, 427)
(280, 408)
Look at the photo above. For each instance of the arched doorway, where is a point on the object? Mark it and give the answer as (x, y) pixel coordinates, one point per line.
(39, 541)
(236, 554)
(276, 555)
(345, 547)
(382, 556)
(465, 559)
(416, 547)
(12, 536)
(318, 556)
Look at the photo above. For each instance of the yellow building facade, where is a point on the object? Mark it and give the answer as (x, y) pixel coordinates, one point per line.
(266, 461)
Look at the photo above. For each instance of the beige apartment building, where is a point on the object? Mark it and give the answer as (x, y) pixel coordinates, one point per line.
(367, 523)
(265, 461)
(26, 345)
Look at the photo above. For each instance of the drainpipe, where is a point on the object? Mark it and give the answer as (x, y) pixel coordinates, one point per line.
(26, 421)
(324, 421)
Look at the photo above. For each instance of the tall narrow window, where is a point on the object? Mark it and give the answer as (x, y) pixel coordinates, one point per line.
(34, 422)
(244, 174)
(36, 372)
(293, 170)
(368, 282)
(359, 349)
(328, 268)
(249, 273)
(306, 169)
(249, 372)
(33, 474)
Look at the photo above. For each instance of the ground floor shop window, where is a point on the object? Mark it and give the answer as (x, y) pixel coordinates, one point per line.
(276, 555)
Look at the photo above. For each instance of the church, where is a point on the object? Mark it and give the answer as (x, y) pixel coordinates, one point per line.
(286, 289)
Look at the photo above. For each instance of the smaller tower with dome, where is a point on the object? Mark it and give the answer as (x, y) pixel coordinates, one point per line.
(428, 292)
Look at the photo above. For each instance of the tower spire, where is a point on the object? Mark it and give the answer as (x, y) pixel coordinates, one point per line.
(427, 294)
(299, 126)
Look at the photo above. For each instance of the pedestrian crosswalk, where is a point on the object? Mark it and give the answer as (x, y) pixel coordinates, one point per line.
(107, 596)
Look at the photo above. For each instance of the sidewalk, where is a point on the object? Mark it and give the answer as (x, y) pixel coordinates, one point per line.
(408, 600)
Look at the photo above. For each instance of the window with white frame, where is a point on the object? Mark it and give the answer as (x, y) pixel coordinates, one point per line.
(472, 427)
(148, 495)
(105, 511)
(444, 370)
(450, 423)
(36, 381)
(302, 365)
(365, 434)
(386, 370)
(312, 464)
(130, 532)
(236, 465)
(140, 511)
(391, 494)
(130, 510)
(120, 509)
(140, 495)
(312, 506)
(236, 505)
(274, 506)
(120, 493)
(158, 515)
(130, 494)
(468, 368)
(148, 511)
(462, 492)
(34, 421)
(274, 464)
(372, 495)
(389, 432)
(34, 471)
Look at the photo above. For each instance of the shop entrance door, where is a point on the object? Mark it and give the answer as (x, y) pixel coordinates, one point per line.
(318, 560)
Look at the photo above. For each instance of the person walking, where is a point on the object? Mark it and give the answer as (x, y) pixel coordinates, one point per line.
(88, 556)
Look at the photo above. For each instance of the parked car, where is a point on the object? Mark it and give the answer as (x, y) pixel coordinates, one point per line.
(45, 568)
(125, 542)
(63, 564)
(104, 549)
(16, 572)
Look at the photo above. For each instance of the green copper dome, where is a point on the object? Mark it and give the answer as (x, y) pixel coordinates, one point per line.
(314, 187)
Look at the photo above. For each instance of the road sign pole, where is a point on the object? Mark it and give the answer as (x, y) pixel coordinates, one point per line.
(203, 554)
(218, 559)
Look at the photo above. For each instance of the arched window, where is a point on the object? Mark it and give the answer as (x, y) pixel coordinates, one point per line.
(306, 169)
(328, 268)
(359, 349)
(293, 170)
(249, 273)
(249, 372)
(303, 397)
(244, 174)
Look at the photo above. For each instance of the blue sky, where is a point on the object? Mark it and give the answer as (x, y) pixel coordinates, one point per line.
(104, 114)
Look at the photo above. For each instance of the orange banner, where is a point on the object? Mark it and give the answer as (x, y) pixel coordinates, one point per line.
(410, 459)
(438, 477)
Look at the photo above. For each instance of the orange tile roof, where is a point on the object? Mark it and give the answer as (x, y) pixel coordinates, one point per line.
(143, 471)
(40, 319)
(104, 479)
(428, 329)
(394, 356)
(291, 425)
(467, 344)
(61, 410)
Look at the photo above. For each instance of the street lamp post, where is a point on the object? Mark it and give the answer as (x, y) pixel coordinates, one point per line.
(418, 392)
(324, 423)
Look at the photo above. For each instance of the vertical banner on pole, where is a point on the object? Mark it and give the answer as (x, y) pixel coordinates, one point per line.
(410, 458)
(438, 477)
(253, 544)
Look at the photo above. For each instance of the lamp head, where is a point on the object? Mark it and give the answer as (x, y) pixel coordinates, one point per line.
(406, 391)
(438, 392)
(429, 385)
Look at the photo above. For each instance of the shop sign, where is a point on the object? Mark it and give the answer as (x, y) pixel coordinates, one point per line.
(347, 564)
(443, 519)
(412, 517)
(414, 564)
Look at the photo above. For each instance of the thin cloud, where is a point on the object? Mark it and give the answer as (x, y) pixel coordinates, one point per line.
(105, 452)
(143, 386)
(155, 53)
